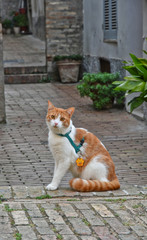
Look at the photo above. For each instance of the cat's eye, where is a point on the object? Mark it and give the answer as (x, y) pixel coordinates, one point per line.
(62, 119)
(52, 116)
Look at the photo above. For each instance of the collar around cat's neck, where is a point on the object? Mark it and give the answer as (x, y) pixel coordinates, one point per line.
(77, 148)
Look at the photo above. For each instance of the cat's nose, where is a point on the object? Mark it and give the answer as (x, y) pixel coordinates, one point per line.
(56, 124)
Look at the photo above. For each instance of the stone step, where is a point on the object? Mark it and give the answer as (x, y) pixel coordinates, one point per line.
(26, 78)
(24, 70)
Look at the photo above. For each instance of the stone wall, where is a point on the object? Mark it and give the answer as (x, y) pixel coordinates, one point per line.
(64, 24)
(8, 7)
(2, 96)
(92, 65)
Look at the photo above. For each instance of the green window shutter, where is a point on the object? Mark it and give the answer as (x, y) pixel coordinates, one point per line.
(110, 19)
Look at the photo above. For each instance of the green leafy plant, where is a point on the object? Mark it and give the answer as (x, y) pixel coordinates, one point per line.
(136, 82)
(86, 222)
(20, 20)
(7, 23)
(99, 87)
(68, 57)
(18, 236)
(59, 236)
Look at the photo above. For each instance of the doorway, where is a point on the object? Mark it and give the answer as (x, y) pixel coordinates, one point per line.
(24, 55)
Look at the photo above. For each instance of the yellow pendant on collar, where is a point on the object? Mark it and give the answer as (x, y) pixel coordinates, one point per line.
(79, 162)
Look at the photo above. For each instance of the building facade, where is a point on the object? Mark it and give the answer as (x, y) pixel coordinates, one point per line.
(112, 30)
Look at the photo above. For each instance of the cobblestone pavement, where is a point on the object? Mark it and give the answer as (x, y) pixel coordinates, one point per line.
(23, 51)
(34, 214)
(26, 166)
(24, 153)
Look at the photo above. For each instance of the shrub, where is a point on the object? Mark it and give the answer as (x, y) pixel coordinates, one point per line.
(99, 87)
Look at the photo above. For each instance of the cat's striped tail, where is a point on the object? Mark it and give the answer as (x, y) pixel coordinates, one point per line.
(83, 185)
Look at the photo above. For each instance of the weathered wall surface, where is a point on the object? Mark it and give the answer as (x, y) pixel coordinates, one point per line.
(129, 34)
(38, 18)
(64, 23)
(8, 7)
(2, 96)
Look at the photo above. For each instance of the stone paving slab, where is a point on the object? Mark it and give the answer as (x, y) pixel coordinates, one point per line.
(30, 192)
(72, 216)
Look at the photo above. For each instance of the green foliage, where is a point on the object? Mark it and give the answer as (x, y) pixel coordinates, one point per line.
(72, 199)
(99, 87)
(18, 236)
(59, 236)
(1, 198)
(86, 222)
(7, 23)
(45, 79)
(69, 57)
(47, 196)
(8, 209)
(20, 20)
(118, 200)
(136, 82)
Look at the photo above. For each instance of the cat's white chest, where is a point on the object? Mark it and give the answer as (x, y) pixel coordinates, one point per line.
(61, 148)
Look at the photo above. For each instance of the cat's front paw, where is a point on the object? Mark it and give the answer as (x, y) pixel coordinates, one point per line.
(51, 187)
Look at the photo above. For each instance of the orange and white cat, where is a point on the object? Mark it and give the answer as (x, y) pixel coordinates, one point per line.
(79, 151)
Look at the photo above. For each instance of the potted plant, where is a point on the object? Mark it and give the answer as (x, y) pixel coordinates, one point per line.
(68, 67)
(15, 20)
(20, 21)
(99, 87)
(136, 82)
(7, 25)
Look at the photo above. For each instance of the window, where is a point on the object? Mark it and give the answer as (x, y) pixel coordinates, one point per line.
(110, 19)
(105, 65)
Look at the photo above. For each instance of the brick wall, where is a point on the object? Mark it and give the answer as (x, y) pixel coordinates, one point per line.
(64, 23)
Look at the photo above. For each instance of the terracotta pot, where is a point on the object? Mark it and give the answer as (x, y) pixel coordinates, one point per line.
(68, 71)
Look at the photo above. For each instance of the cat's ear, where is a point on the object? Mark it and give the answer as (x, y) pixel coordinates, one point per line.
(70, 111)
(50, 105)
